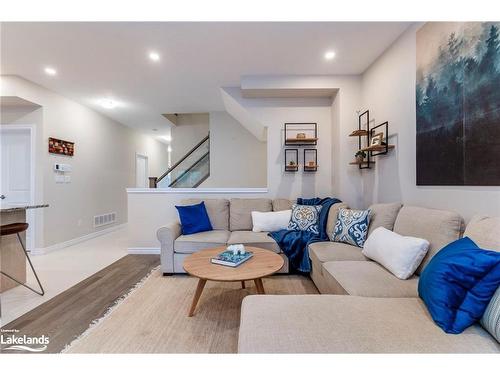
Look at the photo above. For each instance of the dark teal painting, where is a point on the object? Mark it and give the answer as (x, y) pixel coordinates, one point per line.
(458, 103)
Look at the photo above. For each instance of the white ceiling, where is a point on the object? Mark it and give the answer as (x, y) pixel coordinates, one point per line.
(98, 60)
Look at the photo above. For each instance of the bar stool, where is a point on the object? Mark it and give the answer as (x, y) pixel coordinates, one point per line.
(16, 228)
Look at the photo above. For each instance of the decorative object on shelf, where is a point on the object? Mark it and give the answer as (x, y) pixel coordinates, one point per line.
(376, 140)
(291, 160)
(360, 156)
(301, 134)
(383, 147)
(362, 133)
(458, 104)
(60, 147)
(310, 160)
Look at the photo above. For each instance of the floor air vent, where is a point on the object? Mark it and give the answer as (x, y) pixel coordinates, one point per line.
(104, 219)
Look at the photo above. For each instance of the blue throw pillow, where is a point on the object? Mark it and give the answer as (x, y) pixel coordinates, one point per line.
(458, 283)
(305, 217)
(351, 227)
(194, 219)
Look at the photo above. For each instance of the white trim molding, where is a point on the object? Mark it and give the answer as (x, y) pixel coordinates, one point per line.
(74, 241)
(197, 191)
(143, 250)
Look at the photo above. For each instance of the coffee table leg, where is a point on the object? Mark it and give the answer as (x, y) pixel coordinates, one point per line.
(197, 294)
(260, 286)
(242, 285)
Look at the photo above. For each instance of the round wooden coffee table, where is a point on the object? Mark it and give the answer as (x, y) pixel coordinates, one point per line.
(263, 263)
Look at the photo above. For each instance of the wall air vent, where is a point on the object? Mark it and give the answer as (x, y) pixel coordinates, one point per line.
(105, 219)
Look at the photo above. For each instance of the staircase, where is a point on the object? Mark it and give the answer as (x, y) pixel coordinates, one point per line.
(191, 170)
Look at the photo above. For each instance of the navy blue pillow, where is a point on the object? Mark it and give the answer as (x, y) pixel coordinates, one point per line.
(458, 283)
(194, 219)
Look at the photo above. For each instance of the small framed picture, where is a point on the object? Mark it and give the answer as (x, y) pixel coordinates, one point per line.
(377, 139)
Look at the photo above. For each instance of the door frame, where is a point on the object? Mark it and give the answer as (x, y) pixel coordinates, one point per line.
(146, 158)
(30, 214)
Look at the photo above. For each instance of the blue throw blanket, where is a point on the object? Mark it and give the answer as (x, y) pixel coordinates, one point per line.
(294, 242)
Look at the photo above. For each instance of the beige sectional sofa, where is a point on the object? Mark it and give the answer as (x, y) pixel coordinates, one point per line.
(365, 309)
(232, 223)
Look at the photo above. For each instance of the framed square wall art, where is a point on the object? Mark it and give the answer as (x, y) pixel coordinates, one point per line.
(458, 103)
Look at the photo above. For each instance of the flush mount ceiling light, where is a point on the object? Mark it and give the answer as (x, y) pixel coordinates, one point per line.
(329, 55)
(154, 56)
(108, 103)
(50, 71)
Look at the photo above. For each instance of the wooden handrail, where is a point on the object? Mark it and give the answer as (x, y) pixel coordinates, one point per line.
(183, 158)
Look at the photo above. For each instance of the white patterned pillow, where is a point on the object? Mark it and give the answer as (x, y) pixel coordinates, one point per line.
(305, 218)
(351, 227)
(491, 318)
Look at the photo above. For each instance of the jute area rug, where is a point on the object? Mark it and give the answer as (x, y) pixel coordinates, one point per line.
(153, 317)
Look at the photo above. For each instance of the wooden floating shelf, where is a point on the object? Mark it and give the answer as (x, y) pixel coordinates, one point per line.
(292, 169)
(358, 133)
(378, 148)
(364, 162)
(301, 140)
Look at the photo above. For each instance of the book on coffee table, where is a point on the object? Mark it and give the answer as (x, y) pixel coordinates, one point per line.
(227, 258)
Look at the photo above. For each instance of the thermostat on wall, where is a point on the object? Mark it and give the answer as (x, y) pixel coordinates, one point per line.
(62, 167)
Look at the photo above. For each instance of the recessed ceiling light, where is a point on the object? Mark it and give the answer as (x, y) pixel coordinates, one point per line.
(108, 103)
(50, 71)
(155, 56)
(155, 130)
(329, 55)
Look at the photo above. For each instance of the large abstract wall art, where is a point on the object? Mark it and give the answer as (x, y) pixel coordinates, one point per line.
(458, 103)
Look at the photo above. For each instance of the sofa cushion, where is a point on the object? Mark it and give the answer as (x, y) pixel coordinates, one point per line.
(458, 284)
(240, 210)
(491, 318)
(257, 239)
(217, 209)
(351, 226)
(484, 231)
(401, 255)
(305, 218)
(436, 226)
(199, 241)
(367, 279)
(281, 204)
(334, 251)
(332, 218)
(348, 324)
(383, 215)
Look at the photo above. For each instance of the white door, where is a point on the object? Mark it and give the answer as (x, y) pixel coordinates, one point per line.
(16, 177)
(141, 171)
(15, 154)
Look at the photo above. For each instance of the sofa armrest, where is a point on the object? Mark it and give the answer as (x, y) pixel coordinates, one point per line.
(167, 236)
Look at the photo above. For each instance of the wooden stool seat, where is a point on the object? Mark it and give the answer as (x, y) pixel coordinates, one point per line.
(13, 228)
(16, 228)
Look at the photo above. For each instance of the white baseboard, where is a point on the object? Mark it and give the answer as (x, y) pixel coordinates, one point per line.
(74, 241)
(143, 250)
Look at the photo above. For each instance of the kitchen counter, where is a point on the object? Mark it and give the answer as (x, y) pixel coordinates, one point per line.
(13, 208)
(12, 258)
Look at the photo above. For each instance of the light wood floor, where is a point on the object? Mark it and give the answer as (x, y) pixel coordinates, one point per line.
(70, 313)
(153, 319)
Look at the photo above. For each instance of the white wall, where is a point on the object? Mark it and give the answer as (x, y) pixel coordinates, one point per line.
(191, 128)
(103, 164)
(237, 158)
(388, 89)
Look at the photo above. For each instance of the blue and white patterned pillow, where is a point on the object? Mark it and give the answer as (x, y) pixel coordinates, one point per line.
(491, 317)
(351, 227)
(305, 218)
